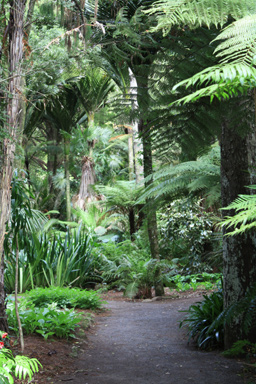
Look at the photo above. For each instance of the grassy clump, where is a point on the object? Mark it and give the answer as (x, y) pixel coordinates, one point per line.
(64, 297)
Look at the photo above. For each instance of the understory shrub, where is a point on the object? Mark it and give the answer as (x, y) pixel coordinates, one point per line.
(64, 297)
(203, 280)
(64, 259)
(200, 319)
(186, 234)
(127, 267)
(206, 319)
(47, 321)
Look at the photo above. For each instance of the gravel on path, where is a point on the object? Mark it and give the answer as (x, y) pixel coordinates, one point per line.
(141, 343)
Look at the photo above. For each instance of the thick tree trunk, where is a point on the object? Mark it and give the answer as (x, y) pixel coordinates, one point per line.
(88, 179)
(13, 113)
(239, 252)
(3, 316)
(151, 212)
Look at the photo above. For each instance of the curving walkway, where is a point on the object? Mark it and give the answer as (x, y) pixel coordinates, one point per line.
(141, 343)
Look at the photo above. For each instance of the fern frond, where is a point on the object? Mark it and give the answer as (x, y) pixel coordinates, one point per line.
(238, 42)
(196, 13)
(245, 214)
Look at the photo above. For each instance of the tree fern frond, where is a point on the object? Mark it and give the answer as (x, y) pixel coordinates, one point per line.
(197, 13)
(238, 41)
(245, 214)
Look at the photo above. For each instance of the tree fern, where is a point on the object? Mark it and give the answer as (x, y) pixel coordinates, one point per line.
(196, 13)
(200, 177)
(245, 214)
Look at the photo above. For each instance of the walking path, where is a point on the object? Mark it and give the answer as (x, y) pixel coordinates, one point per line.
(141, 343)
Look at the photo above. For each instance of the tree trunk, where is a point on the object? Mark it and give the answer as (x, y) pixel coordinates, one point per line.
(16, 296)
(88, 178)
(13, 111)
(239, 252)
(67, 177)
(137, 144)
(132, 223)
(3, 316)
(151, 212)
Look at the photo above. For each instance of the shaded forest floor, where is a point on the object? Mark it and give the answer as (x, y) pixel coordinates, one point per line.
(134, 341)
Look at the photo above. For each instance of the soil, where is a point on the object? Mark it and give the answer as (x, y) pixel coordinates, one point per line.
(134, 341)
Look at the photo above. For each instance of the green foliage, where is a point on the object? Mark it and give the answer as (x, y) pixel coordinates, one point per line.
(47, 321)
(200, 319)
(245, 214)
(200, 280)
(64, 297)
(20, 367)
(244, 309)
(196, 178)
(207, 319)
(129, 268)
(186, 234)
(198, 13)
(63, 259)
(241, 348)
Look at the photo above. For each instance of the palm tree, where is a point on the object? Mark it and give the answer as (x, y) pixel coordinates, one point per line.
(92, 91)
(64, 112)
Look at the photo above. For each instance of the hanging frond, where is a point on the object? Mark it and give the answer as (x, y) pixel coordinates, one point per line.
(195, 13)
(201, 177)
(244, 218)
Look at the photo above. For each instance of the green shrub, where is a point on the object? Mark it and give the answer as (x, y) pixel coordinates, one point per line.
(47, 321)
(131, 269)
(200, 280)
(200, 320)
(186, 233)
(64, 297)
(241, 348)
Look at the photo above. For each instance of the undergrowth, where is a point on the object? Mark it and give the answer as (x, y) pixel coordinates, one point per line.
(64, 297)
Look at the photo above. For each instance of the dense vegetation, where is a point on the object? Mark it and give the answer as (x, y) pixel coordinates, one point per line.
(126, 127)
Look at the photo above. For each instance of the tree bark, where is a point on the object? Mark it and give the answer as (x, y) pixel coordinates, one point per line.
(239, 252)
(13, 111)
(67, 177)
(151, 212)
(137, 144)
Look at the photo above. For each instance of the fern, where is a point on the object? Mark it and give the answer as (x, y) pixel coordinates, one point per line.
(244, 218)
(194, 177)
(196, 13)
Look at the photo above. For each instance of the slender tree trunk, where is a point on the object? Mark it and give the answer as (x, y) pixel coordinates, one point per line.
(137, 144)
(67, 177)
(239, 252)
(13, 111)
(16, 295)
(130, 156)
(151, 212)
(132, 223)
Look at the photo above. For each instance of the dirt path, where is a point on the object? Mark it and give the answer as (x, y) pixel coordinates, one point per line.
(141, 343)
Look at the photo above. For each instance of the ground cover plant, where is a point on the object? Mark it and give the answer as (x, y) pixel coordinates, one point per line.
(20, 367)
(64, 297)
(203, 280)
(47, 321)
